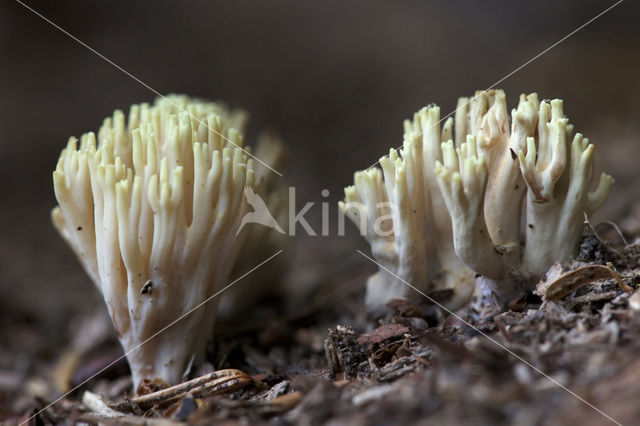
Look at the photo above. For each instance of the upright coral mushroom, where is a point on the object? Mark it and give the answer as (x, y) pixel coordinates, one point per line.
(403, 216)
(451, 207)
(151, 209)
(490, 244)
(483, 184)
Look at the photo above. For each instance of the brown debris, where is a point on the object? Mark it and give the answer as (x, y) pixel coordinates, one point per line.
(216, 383)
(414, 364)
(343, 351)
(555, 285)
(382, 333)
(182, 409)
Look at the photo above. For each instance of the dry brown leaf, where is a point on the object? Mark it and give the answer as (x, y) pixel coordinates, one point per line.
(555, 284)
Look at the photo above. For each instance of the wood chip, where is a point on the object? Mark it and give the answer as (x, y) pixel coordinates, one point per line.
(382, 333)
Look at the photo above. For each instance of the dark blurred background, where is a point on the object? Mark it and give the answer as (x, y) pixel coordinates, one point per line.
(335, 79)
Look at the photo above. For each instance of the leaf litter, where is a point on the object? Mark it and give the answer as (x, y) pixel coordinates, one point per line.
(329, 363)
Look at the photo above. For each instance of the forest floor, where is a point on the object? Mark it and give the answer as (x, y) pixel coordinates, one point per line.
(567, 355)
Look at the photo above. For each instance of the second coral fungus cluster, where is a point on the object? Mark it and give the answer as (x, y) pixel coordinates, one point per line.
(439, 213)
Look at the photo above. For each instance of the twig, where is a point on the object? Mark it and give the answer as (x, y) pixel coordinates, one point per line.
(216, 383)
(595, 234)
(615, 228)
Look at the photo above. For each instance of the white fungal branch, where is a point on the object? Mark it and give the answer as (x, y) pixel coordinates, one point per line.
(404, 218)
(449, 204)
(152, 211)
(462, 180)
(558, 175)
(534, 157)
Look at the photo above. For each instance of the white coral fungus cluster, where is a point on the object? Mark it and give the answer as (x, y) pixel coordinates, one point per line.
(450, 203)
(151, 207)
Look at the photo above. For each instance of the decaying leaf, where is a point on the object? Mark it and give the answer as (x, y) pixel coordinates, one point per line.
(556, 284)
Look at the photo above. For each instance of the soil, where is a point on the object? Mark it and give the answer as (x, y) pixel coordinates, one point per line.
(571, 360)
